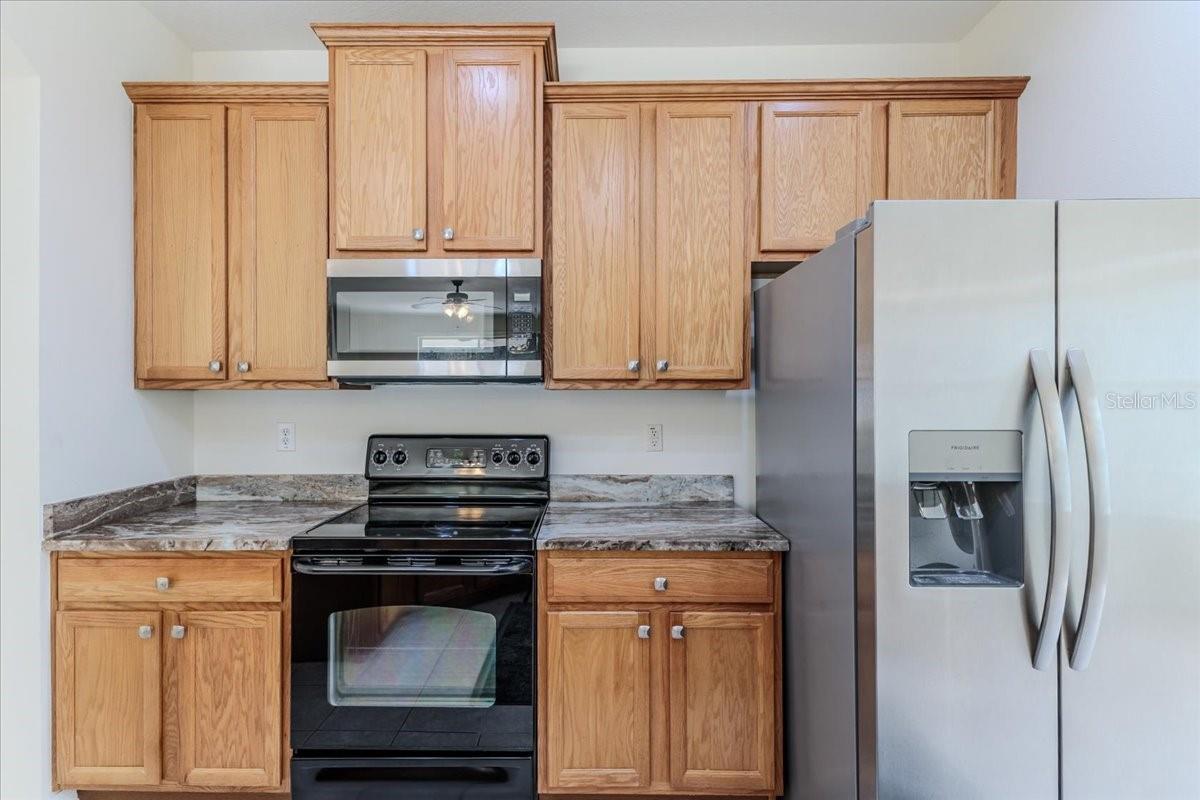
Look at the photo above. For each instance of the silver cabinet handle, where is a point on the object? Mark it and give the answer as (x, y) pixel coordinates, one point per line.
(643, 631)
(663, 365)
(661, 584)
(448, 233)
(1055, 604)
(145, 631)
(214, 366)
(1096, 451)
(678, 631)
(177, 631)
(635, 365)
(162, 584)
(243, 366)
(419, 234)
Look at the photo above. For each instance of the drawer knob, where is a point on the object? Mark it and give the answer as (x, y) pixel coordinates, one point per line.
(643, 631)
(634, 365)
(145, 631)
(663, 365)
(162, 584)
(661, 584)
(177, 631)
(448, 233)
(678, 631)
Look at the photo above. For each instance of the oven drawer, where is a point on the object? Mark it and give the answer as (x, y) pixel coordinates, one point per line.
(416, 778)
(690, 579)
(248, 579)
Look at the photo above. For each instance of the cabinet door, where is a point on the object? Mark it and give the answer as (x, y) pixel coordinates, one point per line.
(230, 709)
(278, 242)
(596, 252)
(723, 701)
(942, 150)
(179, 240)
(598, 701)
(702, 278)
(107, 706)
(815, 173)
(378, 99)
(489, 167)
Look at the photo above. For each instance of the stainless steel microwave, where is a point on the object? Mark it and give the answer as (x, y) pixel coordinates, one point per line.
(435, 320)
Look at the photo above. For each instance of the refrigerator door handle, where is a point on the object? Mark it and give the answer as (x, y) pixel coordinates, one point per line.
(1045, 651)
(1096, 450)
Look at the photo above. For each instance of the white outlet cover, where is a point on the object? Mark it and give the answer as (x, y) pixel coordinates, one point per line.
(285, 440)
(654, 438)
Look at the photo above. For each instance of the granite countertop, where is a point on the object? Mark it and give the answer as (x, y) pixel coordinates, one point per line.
(697, 527)
(206, 525)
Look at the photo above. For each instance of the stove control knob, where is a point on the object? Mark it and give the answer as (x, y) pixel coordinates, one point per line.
(380, 457)
(399, 457)
(497, 457)
(532, 458)
(514, 457)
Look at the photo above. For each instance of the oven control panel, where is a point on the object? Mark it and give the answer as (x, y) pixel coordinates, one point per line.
(392, 456)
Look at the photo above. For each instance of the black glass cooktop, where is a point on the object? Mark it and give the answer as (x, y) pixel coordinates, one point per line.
(426, 526)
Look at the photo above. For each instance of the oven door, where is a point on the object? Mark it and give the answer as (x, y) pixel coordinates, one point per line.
(398, 655)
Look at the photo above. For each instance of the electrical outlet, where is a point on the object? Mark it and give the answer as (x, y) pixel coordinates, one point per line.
(286, 439)
(654, 438)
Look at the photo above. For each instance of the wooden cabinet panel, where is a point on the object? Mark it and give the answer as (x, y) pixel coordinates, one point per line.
(815, 172)
(230, 700)
(179, 241)
(108, 716)
(702, 280)
(490, 169)
(278, 236)
(598, 691)
(942, 150)
(245, 579)
(722, 701)
(686, 579)
(378, 97)
(596, 246)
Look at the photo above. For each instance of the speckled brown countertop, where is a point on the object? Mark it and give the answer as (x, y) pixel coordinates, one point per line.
(699, 527)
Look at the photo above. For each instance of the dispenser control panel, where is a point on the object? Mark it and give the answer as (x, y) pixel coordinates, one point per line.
(947, 455)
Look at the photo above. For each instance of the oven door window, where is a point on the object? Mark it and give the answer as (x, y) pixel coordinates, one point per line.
(418, 319)
(413, 656)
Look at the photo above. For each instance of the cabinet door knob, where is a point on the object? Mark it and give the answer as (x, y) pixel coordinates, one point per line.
(678, 631)
(243, 366)
(419, 234)
(177, 631)
(663, 365)
(145, 631)
(643, 631)
(448, 233)
(635, 365)
(661, 584)
(214, 366)
(162, 584)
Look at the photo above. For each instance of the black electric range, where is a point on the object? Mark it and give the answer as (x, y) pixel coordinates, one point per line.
(412, 625)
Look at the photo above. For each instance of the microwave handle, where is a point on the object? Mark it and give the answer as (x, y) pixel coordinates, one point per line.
(312, 566)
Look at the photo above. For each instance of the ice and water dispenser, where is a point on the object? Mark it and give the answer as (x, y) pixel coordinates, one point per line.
(964, 521)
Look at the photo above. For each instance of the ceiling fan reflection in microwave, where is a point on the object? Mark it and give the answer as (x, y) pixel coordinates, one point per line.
(456, 304)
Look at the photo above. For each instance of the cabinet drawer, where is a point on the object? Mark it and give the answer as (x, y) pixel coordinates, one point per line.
(170, 580)
(691, 579)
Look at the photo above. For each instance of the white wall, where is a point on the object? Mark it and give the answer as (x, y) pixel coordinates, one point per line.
(1113, 107)
(97, 432)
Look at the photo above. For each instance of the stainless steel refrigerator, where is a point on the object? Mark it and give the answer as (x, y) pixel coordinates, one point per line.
(978, 423)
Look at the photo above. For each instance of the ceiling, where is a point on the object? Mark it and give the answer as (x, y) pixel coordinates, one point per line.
(282, 25)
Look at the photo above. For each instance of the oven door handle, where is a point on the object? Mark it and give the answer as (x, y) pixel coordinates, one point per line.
(313, 566)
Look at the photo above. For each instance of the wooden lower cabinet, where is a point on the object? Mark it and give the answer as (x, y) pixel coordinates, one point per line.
(170, 695)
(673, 696)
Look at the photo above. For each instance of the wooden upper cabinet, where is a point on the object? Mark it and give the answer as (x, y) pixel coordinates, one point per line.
(378, 97)
(278, 241)
(702, 279)
(595, 241)
(179, 241)
(943, 150)
(597, 733)
(108, 712)
(723, 701)
(229, 702)
(490, 166)
(815, 172)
